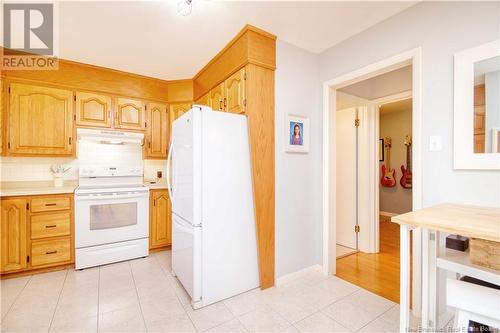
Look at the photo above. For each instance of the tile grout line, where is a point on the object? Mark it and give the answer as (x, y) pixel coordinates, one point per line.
(15, 298)
(138, 298)
(177, 296)
(58, 299)
(377, 317)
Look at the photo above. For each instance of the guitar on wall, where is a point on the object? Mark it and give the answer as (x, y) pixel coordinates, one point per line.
(406, 178)
(388, 178)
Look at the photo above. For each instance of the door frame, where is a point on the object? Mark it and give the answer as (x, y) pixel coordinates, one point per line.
(411, 57)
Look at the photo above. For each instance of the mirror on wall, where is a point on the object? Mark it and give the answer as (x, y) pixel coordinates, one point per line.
(487, 106)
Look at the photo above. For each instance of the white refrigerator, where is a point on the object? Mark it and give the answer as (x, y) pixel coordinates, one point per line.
(214, 246)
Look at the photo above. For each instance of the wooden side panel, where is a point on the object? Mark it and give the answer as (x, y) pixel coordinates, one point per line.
(260, 112)
(234, 99)
(93, 110)
(157, 136)
(40, 121)
(160, 231)
(180, 91)
(13, 236)
(130, 114)
(217, 96)
(262, 49)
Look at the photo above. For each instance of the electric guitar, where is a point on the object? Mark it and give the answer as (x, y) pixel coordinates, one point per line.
(388, 178)
(406, 178)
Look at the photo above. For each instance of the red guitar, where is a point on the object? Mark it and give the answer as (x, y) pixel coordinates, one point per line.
(405, 180)
(388, 178)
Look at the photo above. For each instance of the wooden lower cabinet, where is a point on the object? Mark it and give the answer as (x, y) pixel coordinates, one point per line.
(13, 235)
(37, 232)
(160, 219)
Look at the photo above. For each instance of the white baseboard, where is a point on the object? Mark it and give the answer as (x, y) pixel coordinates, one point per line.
(388, 214)
(298, 274)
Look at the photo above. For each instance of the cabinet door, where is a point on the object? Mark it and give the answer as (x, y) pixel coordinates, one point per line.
(130, 114)
(13, 234)
(40, 121)
(235, 93)
(160, 231)
(204, 100)
(177, 110)
(157, 135)
(93, 110)
(217, 95)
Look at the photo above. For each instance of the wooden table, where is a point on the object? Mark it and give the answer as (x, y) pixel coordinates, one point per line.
(464, 220)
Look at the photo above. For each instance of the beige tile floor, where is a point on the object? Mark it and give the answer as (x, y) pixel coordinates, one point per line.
(141, 295)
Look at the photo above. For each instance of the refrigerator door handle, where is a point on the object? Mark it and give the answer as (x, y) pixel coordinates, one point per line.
(169, 160)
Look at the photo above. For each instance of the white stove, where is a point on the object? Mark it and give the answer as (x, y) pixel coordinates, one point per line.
(111, 214)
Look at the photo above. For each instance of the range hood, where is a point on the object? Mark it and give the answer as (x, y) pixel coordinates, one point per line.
(110, 137)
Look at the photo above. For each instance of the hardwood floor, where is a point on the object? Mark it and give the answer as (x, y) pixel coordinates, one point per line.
(379, 272)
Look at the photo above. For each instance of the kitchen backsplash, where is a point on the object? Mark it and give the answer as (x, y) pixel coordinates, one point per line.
(38, 168)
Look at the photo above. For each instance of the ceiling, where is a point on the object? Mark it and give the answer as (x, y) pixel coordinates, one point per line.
(402, 105)
(150, 38)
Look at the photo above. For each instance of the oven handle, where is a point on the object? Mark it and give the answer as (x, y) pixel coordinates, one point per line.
(169, 160)
(110, 196)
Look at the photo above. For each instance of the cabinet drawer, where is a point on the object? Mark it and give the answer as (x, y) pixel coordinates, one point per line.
(50, 252)
(50, 204)
(50, 225)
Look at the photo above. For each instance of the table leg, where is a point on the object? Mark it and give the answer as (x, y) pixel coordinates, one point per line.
(430, 247)
(404, 293)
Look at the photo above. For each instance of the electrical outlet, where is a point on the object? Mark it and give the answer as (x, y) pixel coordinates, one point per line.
(159, 174)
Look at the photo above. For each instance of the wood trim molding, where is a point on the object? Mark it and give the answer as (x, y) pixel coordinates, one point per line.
(251, 46)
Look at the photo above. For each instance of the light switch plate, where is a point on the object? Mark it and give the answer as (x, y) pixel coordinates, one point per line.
(435, 143)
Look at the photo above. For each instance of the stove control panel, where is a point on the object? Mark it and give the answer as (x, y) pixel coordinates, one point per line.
(110, 171)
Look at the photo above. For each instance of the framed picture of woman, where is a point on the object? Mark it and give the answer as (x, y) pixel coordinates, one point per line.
(296, 134)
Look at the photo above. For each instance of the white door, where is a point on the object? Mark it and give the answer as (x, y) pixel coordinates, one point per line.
(186, 255)
(346, 202)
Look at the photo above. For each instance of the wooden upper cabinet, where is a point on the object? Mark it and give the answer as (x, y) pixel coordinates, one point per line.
(160, 231)
(177, 110)
(234, 101)
(40, 121)
(157, 131)
(93, 110)
(130, 114)
(204, 100)
(13, 236)
(217, 95)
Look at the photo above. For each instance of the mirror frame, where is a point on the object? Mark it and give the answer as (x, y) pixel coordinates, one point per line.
(463, 116)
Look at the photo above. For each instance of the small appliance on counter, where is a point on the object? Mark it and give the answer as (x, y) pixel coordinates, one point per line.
(111, 202)
(214, 247)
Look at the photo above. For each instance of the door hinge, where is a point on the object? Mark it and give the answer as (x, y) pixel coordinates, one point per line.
(8, 145)
(356, 122)
(69, 140)
(27, 258)
(74, 117)
(245, 102)
(74, 98)
(245, 76)
(9, 90)
(145, 124)
(356, 228)
(27, 206)
(154, 202)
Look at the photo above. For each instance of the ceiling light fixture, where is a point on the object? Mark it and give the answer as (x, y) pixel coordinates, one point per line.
(184, 7)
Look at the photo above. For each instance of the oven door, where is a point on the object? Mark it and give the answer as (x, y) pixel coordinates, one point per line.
(110, 217)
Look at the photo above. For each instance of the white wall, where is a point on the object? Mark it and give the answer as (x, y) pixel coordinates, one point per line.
(441, 29)
(298, 176)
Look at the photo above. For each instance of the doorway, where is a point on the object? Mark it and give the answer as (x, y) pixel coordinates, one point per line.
(367, 216)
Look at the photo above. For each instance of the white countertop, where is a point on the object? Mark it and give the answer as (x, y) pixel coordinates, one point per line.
(11, 189)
